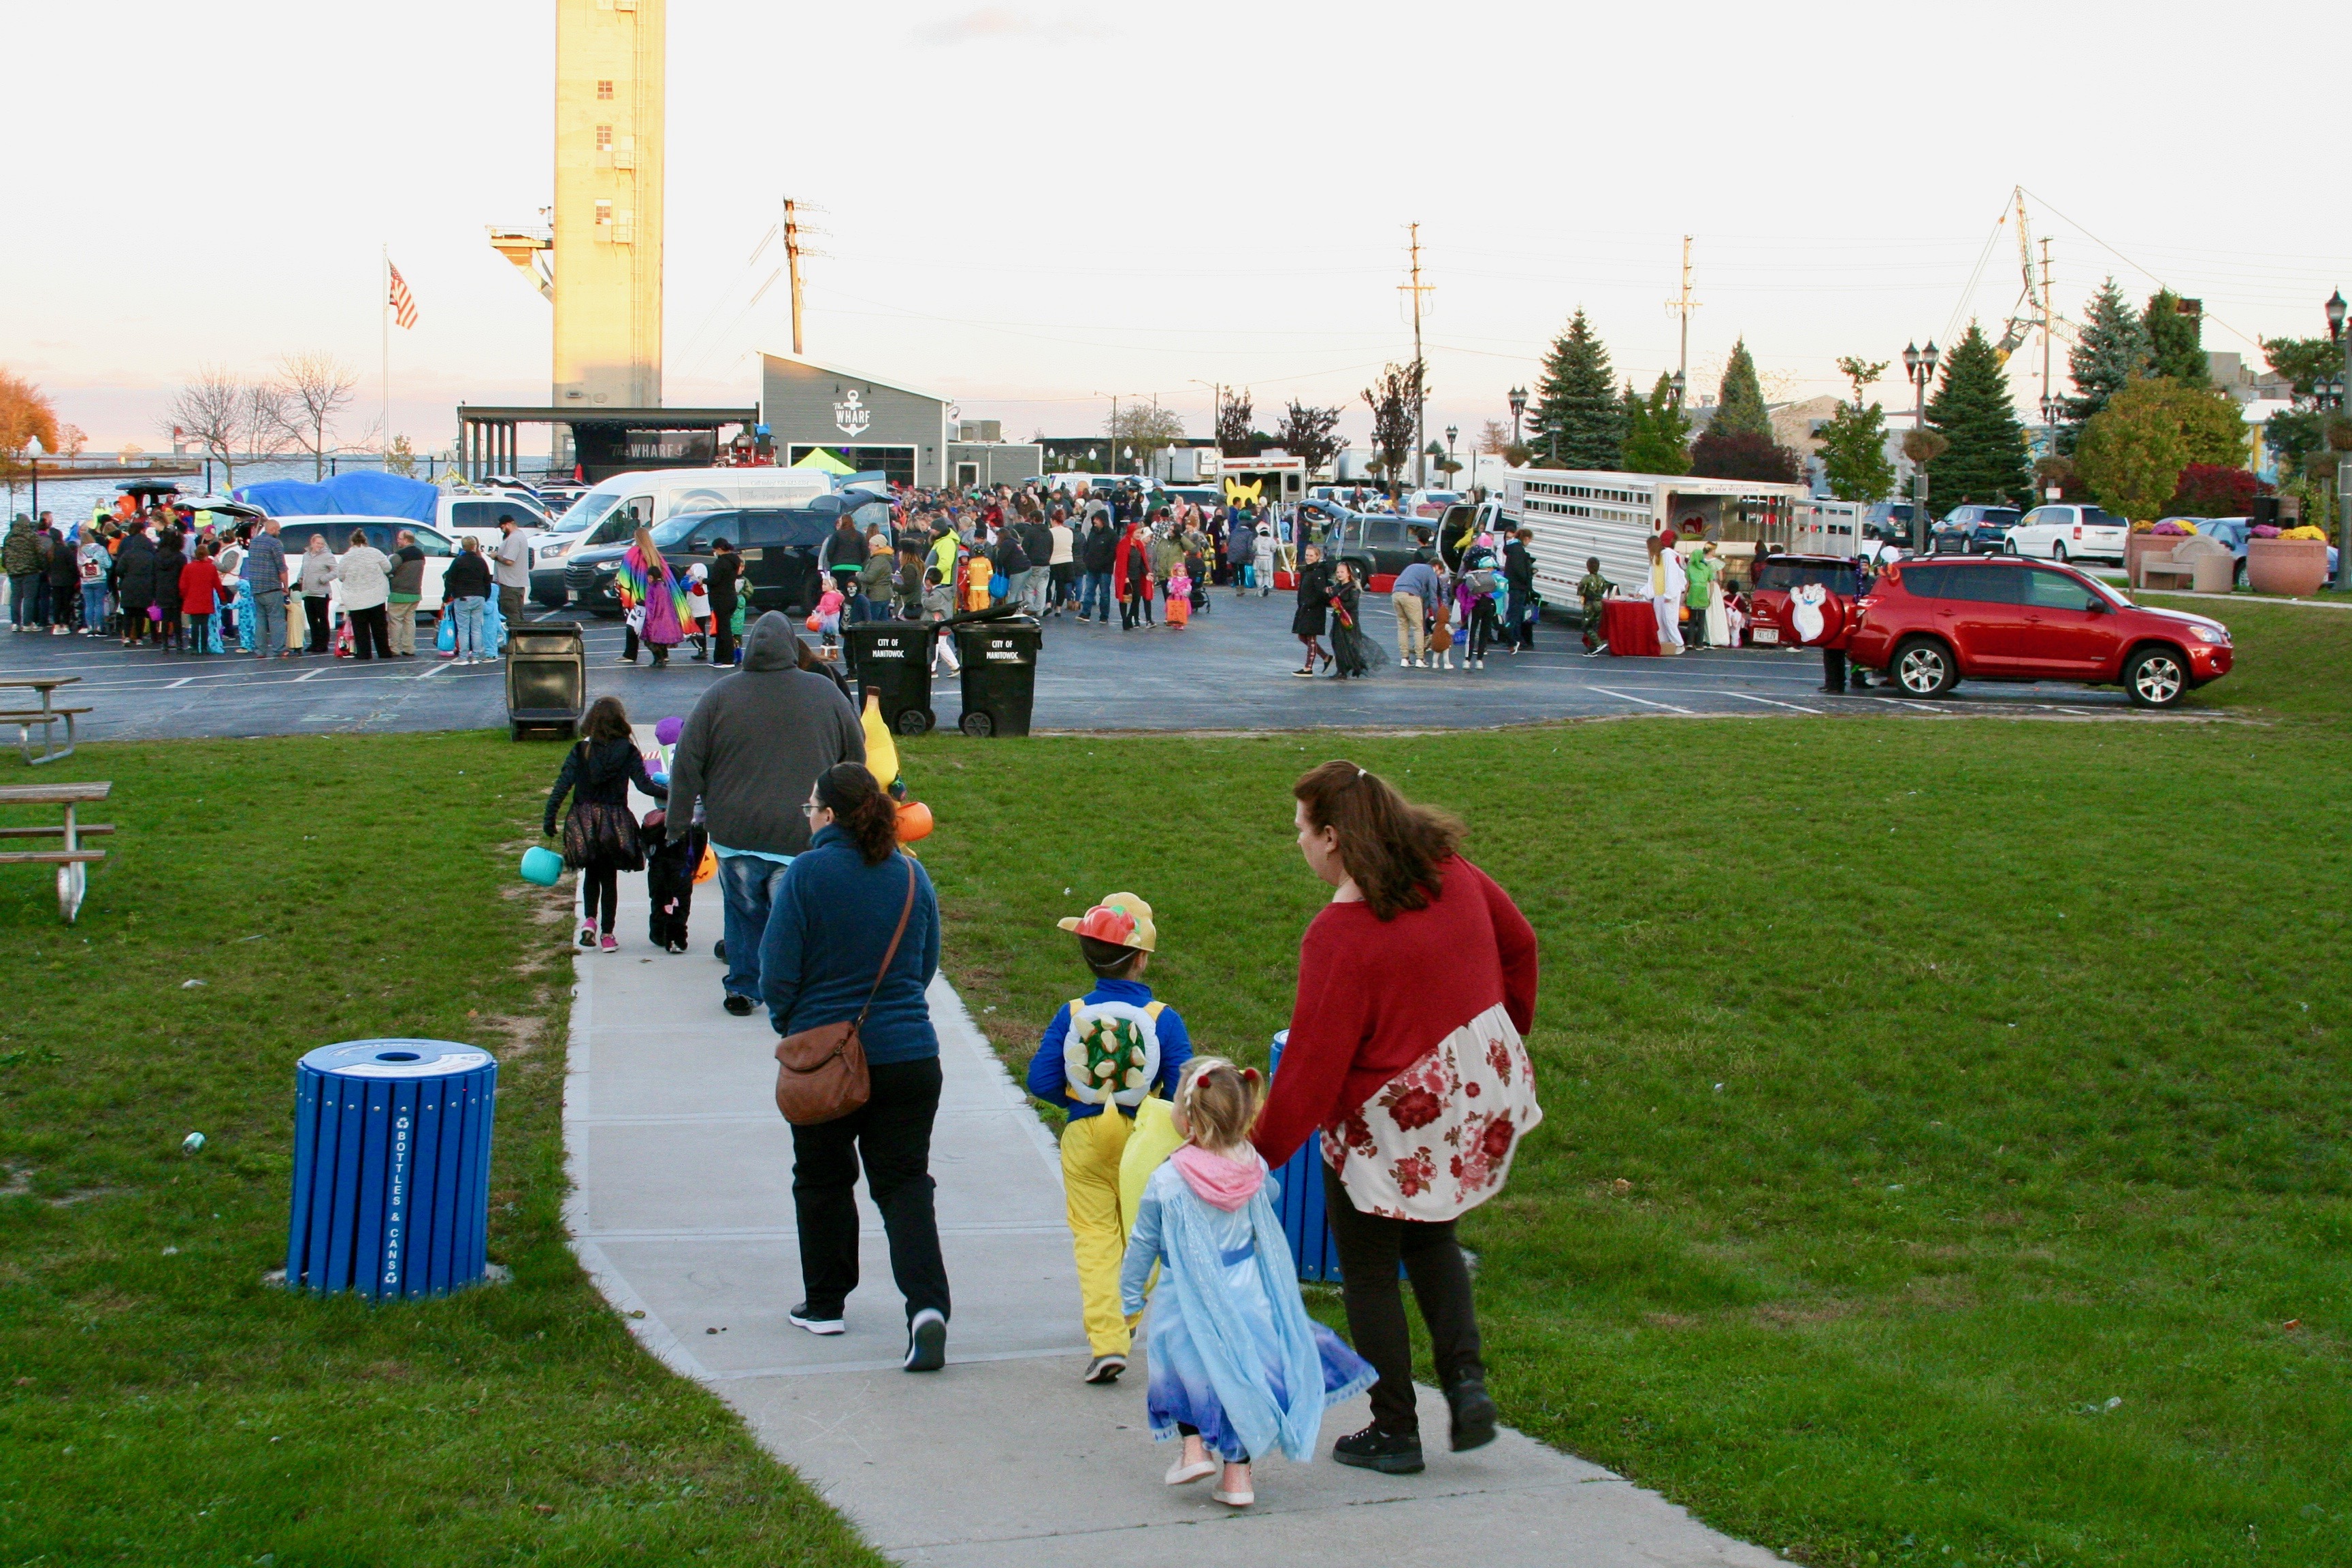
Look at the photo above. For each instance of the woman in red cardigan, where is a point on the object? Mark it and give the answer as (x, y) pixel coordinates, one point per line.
(1415, 985)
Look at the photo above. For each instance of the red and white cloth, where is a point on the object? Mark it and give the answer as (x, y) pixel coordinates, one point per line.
(1437, 1139)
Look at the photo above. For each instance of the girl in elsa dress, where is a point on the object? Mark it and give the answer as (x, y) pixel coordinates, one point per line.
(1237, 1367)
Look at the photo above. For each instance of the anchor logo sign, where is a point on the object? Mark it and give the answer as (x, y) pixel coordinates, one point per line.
(850, 415)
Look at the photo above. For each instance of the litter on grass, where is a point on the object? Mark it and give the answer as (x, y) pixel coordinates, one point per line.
(192, 1144)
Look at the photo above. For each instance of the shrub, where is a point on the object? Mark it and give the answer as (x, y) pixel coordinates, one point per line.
(2212, 489)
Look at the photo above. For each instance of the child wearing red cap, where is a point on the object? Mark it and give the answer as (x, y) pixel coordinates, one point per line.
(1101, 1057)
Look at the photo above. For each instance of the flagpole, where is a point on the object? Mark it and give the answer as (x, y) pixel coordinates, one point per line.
(383, 365)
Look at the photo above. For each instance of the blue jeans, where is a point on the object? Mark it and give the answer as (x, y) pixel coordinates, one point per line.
(269, 621)
(1094, 595)
(93, 607)
(750, 885)
(1516, 629)
(468, 620)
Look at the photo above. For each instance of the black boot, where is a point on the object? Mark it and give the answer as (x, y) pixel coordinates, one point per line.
(1391, 1454)
(1474, 1414)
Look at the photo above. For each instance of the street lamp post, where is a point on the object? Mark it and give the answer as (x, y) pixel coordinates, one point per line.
(32, 456)
(1451, 432)
(1681, 386)
(1519, 407)
(1920, 366)
(2337, 334)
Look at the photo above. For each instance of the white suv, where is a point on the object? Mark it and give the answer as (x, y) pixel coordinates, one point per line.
(2069, 533)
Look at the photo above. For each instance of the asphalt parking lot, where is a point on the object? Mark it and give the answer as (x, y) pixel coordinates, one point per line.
(1229, 671)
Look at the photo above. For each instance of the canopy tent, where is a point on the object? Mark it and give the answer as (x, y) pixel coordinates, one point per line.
(361, 493)
(823, 462)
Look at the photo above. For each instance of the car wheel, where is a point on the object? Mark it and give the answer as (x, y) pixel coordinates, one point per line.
(2156, 678)
(1924, 668)
(2058, 552)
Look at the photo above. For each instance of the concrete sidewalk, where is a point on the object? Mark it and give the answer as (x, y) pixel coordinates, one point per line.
(681, 1208)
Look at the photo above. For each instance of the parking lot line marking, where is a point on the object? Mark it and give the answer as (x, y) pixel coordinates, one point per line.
(1792, 706)
(311, 674)
(179, 683)
(1629, 696)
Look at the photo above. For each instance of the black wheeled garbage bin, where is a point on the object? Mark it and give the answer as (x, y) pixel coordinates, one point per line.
(892, 660)
(1000, 674)
(547, 677)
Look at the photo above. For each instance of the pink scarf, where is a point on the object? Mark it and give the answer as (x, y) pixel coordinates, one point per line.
(1216, 1179)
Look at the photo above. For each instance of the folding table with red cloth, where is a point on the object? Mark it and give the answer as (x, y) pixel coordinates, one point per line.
(1630, 627)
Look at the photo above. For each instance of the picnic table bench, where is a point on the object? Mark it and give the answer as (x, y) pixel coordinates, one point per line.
(71, 860)
(47, 716)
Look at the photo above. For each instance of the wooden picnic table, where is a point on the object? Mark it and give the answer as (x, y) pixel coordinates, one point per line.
(47, 716)
(71, 860)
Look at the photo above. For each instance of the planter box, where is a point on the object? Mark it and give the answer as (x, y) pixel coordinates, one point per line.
(2296, 567)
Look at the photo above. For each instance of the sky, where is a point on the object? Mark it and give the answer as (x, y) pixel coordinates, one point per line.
(1031, 207)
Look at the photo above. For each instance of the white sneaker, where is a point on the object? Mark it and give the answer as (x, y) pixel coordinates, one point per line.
(1478, 664)
(1404, 664)
(926, 1342)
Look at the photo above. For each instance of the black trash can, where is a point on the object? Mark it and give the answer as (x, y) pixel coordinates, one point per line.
(1000, 674)
(892, 659)
(547, 677)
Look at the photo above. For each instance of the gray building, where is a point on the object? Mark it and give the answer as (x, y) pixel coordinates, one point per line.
(993, 462)
(866, 423)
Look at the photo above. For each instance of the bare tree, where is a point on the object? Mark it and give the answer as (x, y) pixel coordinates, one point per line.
(310, 390)
(1145, 427)
(216, 411)
(1233, 416)
(1495, 438)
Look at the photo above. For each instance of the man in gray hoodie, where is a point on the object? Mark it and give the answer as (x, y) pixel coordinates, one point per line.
(751, 751)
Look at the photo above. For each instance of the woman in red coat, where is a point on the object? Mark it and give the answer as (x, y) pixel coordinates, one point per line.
(1415, 985)
(1131, 576)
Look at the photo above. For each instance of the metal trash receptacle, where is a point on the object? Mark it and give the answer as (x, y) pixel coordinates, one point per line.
(392, 1168)
(1000, 674)
(1301, 1209)
(547, 677)
(892, 659)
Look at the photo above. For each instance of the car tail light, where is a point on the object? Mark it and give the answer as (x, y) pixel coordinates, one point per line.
(2078, 530)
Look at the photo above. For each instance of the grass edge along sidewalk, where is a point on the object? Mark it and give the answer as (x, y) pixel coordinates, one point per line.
(1932, 1171)
(158, 1403)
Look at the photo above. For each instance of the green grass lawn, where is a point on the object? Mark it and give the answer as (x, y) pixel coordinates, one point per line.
(1944, 1159)
(158, 1403)
(2290, 659)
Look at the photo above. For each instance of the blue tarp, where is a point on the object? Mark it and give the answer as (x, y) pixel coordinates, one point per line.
(361, 493)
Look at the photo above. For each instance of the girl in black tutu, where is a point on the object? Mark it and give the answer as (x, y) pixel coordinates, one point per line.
(1314, 594)
(1356, 654)
(600, 835)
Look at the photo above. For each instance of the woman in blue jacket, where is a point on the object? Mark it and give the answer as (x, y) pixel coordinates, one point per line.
(828, 931)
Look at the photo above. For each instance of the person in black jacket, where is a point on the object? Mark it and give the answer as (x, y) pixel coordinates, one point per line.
(65, 578)
(169, 560)
(601, 837)
(1519, 590)
(719, 583)
(464, 590)
(134, 568)
(1314, 594)
(1096, 553)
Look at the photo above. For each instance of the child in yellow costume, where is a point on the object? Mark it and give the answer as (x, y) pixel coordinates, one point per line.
(1102, 1056)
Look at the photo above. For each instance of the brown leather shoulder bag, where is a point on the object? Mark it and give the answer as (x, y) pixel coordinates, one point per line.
(821, 1073)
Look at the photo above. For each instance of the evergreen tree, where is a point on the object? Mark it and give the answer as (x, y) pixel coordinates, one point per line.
(2114, 348)
(1657, 436)
(1853, 440)
(1972, 410)
(2176, 339)
(1577, 414)
(1739, 402)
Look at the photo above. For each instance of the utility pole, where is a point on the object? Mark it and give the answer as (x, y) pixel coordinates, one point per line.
(1421, 380)
(2047, 310)
(793, 261)
(1683, 307)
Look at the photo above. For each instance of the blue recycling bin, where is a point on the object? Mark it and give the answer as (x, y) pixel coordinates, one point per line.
(392, 1168)
(1304, 1223)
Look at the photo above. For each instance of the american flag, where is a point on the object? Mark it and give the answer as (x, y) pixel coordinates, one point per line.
(403, 302)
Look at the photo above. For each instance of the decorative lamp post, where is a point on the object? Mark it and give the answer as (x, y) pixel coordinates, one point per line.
(1681, 386)
(1519, 407)
(1451, 432)
(2337, 334)
(1920, 366)
(33, 457)
(1130, 456)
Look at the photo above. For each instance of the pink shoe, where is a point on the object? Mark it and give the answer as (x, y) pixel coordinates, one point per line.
(609, 944)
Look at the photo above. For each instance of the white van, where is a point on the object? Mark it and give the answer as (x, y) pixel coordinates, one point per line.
(616, 506)
(477, 516)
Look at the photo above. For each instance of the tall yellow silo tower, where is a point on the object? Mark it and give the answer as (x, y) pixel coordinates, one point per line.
(607, 239)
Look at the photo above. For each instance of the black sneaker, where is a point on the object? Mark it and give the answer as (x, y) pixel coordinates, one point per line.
(1105, 1369)
(926, 1342)
(1391, 1454)
(1474, 1414)
(739, 1005)
(816, 1322)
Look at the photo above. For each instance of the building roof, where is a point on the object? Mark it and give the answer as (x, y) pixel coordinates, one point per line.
(847, 375)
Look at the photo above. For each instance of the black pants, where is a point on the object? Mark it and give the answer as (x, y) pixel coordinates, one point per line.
(722, 629)
(599, 894)
(135, 624)
(1369, 1249)
(315, 606)
(1833, 671)
(370, 630)
(892, 1132)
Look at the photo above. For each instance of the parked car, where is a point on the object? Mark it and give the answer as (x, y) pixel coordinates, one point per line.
(780, 548)
(1931, 623)
(1777, 575)
(1888, 521)
(1972, 529)
(610, 512)
(2070, 532)
(295, 533)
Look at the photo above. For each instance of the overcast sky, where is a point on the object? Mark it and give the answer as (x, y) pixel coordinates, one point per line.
(1031, 207)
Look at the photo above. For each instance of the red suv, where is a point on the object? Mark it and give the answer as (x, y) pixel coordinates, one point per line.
(1777, 577)
(1929, 624)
